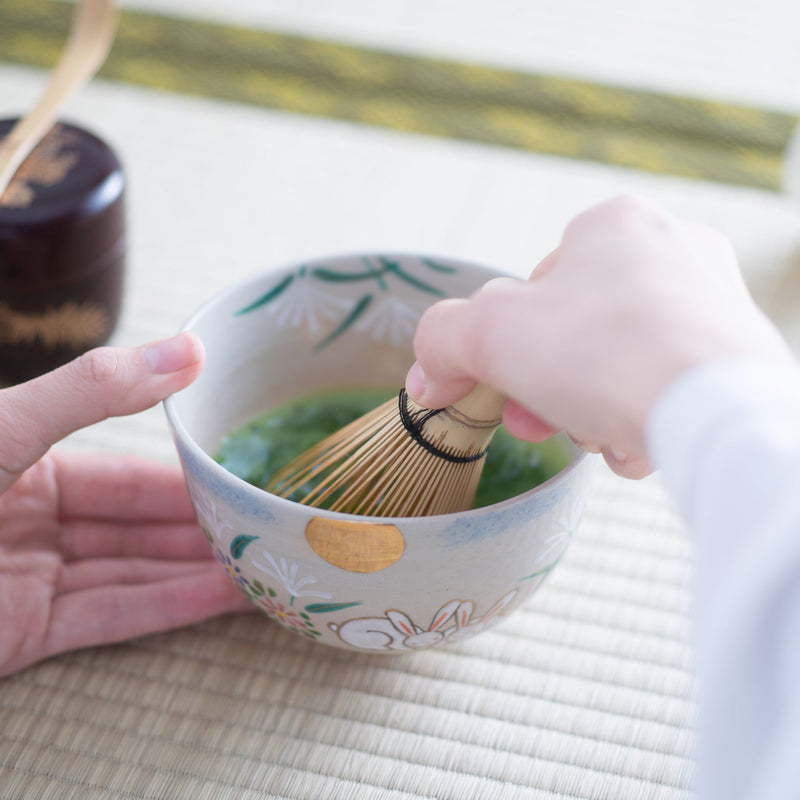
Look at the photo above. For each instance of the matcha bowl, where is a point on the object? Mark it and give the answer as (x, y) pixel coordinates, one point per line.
(360, 583)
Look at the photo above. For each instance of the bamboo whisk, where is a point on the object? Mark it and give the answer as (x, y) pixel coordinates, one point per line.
(400, 460)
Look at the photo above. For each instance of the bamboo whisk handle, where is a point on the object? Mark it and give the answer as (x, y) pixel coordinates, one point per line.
(467, 426)
(483, 405)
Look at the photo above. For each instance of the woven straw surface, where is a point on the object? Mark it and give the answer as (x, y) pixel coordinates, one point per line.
(586, 692)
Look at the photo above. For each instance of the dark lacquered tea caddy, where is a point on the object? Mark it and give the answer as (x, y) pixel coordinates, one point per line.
(62, 252)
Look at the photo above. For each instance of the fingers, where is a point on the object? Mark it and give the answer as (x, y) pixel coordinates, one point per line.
(107, 614)
(90, 539)
(545, 265)
(504, 336)
(623, 464)
(102, 383)
(98, 486)
(524, 425)
(438, 393)
(633, 467)
(441, 375)
(96, 572)
(458, 343)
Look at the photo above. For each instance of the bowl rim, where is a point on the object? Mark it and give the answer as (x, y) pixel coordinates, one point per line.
(579, 457)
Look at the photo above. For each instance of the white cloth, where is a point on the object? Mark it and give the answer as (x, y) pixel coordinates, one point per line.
(727, 439)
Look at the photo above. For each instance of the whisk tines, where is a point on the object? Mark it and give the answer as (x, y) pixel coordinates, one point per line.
(399, 460)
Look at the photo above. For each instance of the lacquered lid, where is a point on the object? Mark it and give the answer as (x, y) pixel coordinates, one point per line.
(61, 217)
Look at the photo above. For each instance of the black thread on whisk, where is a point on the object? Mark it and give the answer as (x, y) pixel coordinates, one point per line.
(414, 427)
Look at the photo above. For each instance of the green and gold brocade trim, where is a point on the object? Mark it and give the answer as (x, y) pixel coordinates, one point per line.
(659, 133)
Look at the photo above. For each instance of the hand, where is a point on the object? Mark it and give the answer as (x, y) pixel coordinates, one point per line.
(97, 549)
(630, 299)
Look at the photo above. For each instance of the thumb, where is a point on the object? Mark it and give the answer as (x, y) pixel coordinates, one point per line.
(463, 341)
(105, 382)
(441, 375)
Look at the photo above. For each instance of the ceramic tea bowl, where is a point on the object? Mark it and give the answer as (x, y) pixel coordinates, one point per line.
(360, 583)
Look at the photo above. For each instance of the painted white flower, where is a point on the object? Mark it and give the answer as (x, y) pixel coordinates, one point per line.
(389, 320)
(569, 520)
(552, 543)
(307, 304)
(206, 511)
(566, 523)
(286, 575)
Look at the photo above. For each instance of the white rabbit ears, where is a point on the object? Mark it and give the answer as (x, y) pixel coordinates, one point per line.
(443, 615)
(403, 624)
(461, 609)
(464, 613)
(500, 605)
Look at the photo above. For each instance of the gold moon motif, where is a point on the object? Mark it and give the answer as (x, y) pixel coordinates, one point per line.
(355, 546)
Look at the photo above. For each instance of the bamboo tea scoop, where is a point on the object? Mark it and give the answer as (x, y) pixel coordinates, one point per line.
(94, 25)
(400, 460)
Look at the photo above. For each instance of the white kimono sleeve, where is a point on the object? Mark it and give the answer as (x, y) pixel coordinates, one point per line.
(727, 439)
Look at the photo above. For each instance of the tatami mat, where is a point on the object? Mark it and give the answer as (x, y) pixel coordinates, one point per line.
(587, 691)
(663, 132)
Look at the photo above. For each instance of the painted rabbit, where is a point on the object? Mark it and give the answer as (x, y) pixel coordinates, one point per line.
(395, 631)
(466, 626)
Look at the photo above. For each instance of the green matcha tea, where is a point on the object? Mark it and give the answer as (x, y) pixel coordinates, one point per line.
(259, 448)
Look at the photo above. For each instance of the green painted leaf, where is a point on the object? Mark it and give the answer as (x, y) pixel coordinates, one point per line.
(395, 268)
(536, 574)
(543, 571)
(331, 276)
(274, 292)
(435, 265)
(376, 272)
(239, 545)
(357, 310)
(325, 608)
(271, 592)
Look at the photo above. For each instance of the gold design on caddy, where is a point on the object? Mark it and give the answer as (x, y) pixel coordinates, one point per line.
(73, 324)
(355, 546)
(47, 165)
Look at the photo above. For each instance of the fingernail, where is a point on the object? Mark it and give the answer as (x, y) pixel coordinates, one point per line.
(619, 456)
(171, 355)
(415, 381)
(589, 447)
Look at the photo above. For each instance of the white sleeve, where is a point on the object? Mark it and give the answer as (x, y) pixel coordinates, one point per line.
(727, 439)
